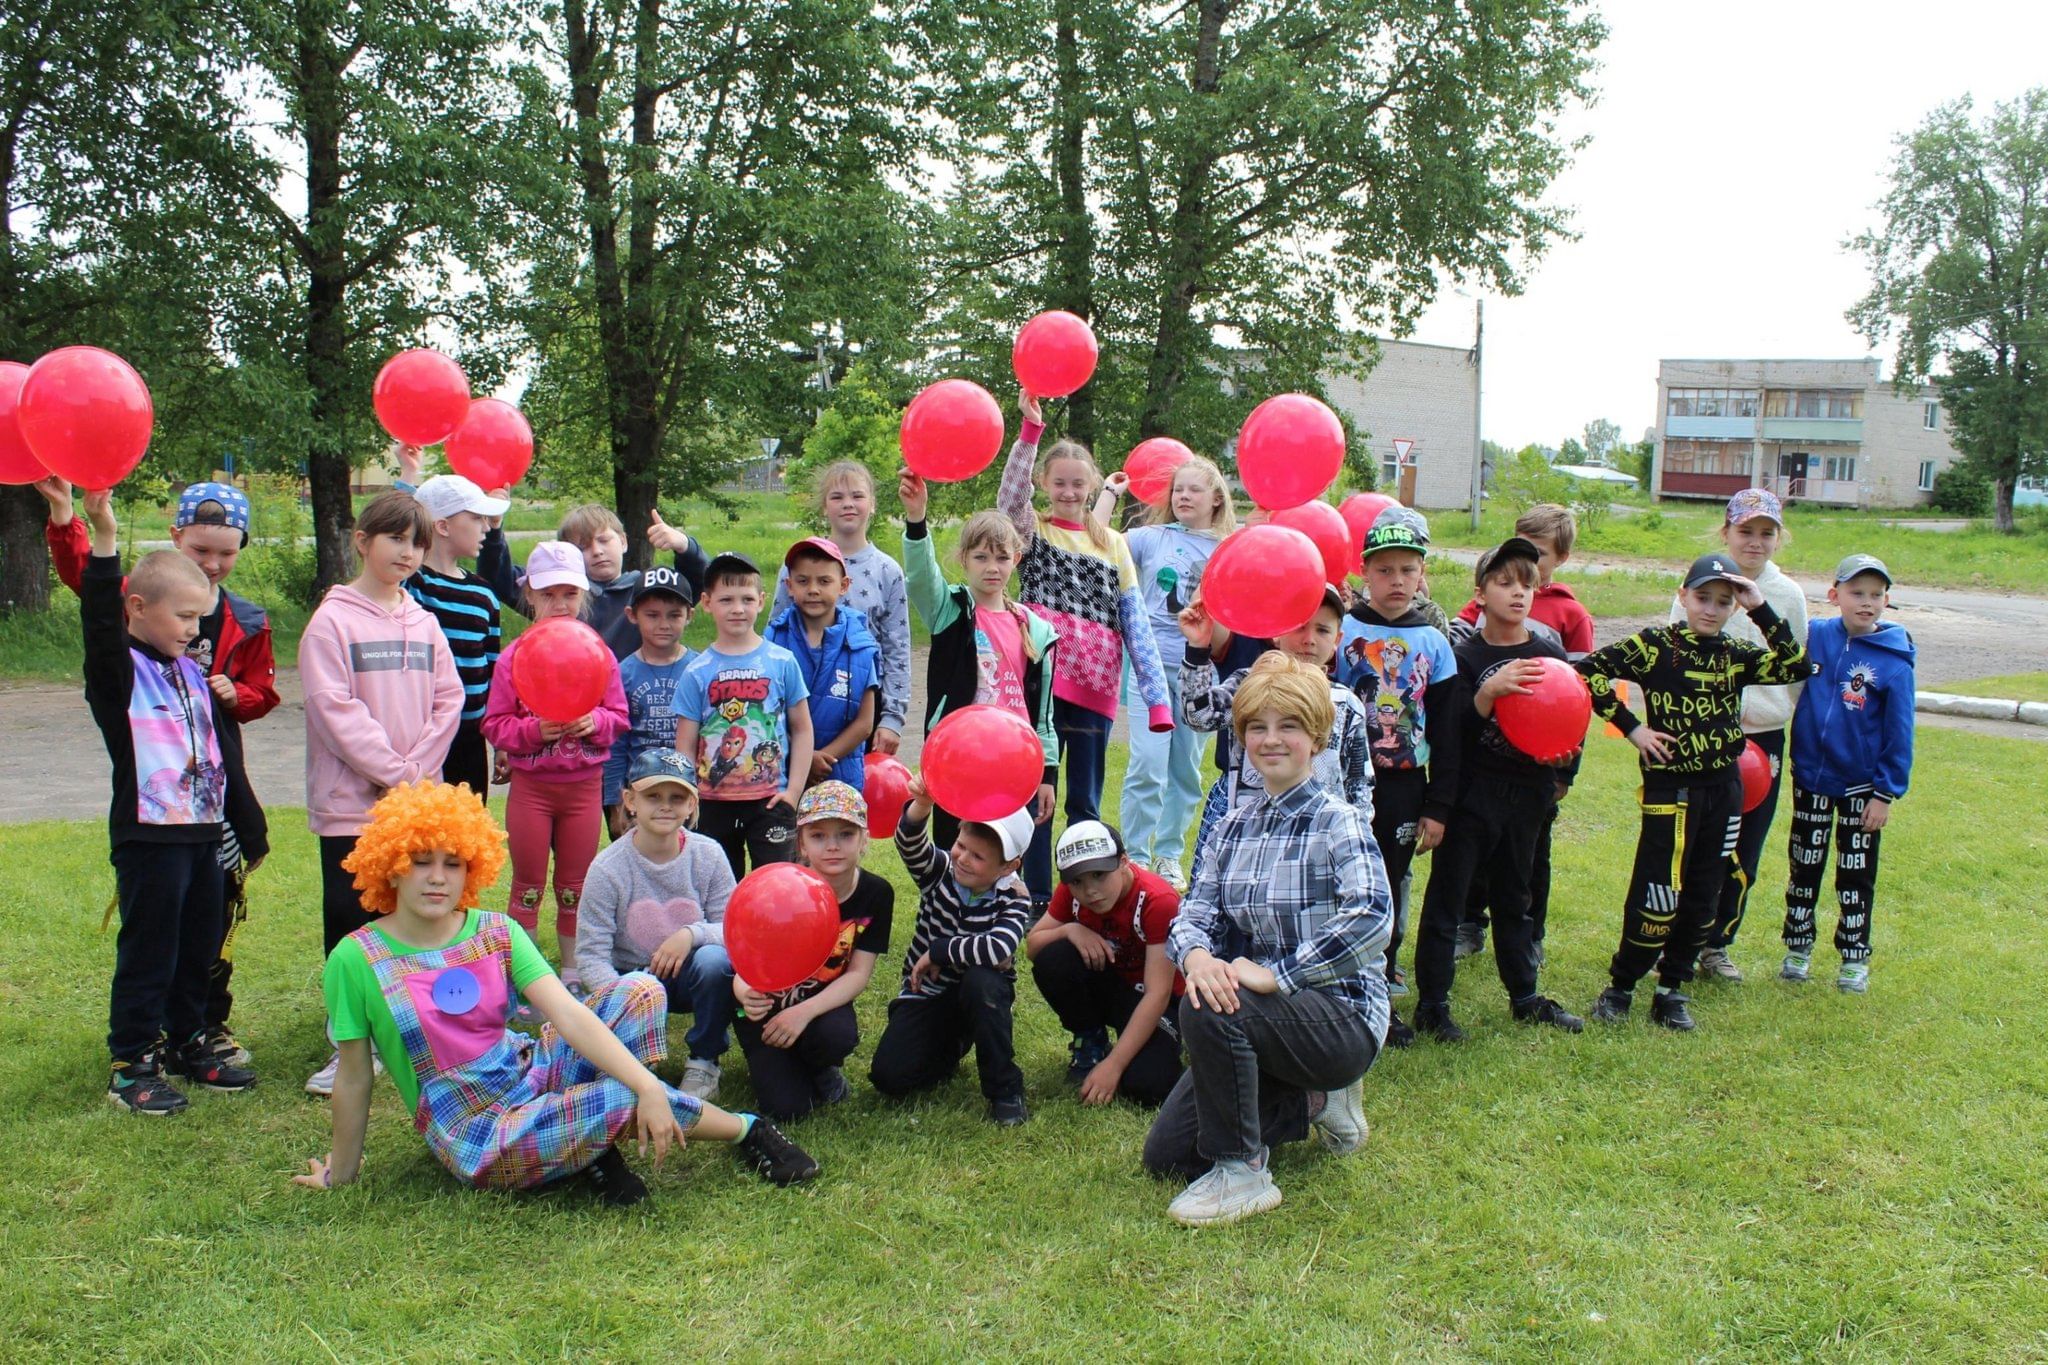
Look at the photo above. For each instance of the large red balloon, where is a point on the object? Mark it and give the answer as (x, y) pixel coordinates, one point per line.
(1263, 581)
(420, 397)
(781, 923)
(886, 787)
(1755, 767)
(1359, 511)
(1324, 525)
(1551, 720)
(85, 415)
(1289, 450)
(982, 763)
(493, 446)
(951, 431)
(1151, 466)
(18, 464)
(1054, 355)
(561, 669)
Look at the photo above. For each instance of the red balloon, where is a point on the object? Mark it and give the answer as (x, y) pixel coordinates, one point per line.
(1263, 581)
(951, 431)
(982, 763)
(1359, 511)
(562, 669)
(420, 397)
(1755, 767)
(781, 923)
(18, 464)
(85, 415)
(1289, 450)
(886, 788)
(1151, 466)
(1324, 525)
(493, 446)
(1551, 720)
(1054, 355)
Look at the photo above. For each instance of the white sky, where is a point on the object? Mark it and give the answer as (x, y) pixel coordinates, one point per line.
(1735, 146)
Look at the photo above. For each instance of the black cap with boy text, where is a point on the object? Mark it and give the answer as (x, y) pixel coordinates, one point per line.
(662, 579)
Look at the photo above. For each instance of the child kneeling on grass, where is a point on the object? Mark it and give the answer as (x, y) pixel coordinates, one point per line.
(430, 984)
(1282, 939)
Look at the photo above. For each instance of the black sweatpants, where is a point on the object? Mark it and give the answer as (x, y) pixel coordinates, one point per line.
(1496, 828)
(1480, 897)
(1087, 998)
(786, 1078)
(172, 918)
(469, 759)
(927, 1035)
(763, 830)
(220, 998)
(1855, 871)
(341, 905)
(1749, 846)
(1396, 817)
(1682, 857)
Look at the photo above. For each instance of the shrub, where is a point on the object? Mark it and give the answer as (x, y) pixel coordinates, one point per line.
(1962, 490)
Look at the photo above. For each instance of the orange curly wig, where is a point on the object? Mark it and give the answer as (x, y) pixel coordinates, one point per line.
(420, 817)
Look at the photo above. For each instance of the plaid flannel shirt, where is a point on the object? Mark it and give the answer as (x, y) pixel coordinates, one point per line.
(1295, 883)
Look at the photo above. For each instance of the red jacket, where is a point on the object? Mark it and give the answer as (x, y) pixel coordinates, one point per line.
(243, 654)
(1556, 607)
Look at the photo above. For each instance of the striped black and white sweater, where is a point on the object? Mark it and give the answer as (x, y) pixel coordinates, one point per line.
(958, 930)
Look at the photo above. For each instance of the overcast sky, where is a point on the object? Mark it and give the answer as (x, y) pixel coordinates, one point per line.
(1735, 146)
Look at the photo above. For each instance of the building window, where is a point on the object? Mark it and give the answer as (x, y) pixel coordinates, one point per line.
(1928, 412)
(1706, 457)
(1841, 469)
(1927, 472)
(1832, 403)
(1710, 403)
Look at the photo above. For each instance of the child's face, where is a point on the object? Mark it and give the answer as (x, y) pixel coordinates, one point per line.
(989, 568)
(849, 507)
(979, 864)
(661, 620)
(1547, 558)
(389, 558)
(1068, 486)
(213, 548)
(1752, 542)
(1195, 499)
(429, 888)
(1862, 601)
(1393, 578)
(1316, 642)
(1708, 607)
(464, 533)
(171, 622)
(1098, 892)
(734, 605)
(832, 848)
(1505, 598)
(816, 585)
(603, 556)
(557, 599)
(1280, 748)
(661, 809)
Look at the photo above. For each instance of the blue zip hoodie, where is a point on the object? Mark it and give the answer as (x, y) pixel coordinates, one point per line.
(840, 671)
(1853, 730)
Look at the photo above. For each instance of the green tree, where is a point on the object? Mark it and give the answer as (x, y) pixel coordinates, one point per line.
(1959, 271)
(1602, 438)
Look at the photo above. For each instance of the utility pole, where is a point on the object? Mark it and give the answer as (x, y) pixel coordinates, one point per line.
(1478, 390)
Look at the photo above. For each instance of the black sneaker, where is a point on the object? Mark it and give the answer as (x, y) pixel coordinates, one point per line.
(1471, 940)
(198, 1062)
(831, 1086)
(1398, 1033)
(1009, 1111)
(1613, 1005)
(774, 1157)
(1434, 1019)
(1543, 1010)
(141, 1088)
(1085, 1053)
(614, 1181)
(1668, 1009)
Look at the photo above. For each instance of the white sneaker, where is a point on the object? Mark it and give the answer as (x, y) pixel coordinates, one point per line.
(700, 1079)
(321, 1082)
(1230, 1191)
(1796, 968)
(1855, 978)
(1341, 1127)
(1168, 870)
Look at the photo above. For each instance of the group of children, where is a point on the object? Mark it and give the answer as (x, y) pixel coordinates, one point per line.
(1245, 997)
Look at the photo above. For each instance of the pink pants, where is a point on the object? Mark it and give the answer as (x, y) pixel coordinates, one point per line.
(564, 817)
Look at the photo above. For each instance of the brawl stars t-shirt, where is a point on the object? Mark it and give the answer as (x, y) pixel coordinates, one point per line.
(741, 702)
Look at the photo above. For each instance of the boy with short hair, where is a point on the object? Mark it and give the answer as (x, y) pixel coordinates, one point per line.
(1505, 801)
(960, 972)
(467, 608)
(1852, 755)
(659, 609)
(1691, 676)
(181, 810)
(742, 711)
(1099, 957)
(838, 655)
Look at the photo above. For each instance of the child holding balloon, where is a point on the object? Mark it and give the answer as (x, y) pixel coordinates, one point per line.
(556, 802)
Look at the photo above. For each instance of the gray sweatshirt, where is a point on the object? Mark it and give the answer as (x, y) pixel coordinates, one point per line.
(631, 905)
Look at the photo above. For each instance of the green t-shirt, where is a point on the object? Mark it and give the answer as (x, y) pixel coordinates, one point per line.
(356, 1007)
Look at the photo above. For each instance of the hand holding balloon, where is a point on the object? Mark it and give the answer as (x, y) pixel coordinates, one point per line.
(1195, 626)
(913, 494)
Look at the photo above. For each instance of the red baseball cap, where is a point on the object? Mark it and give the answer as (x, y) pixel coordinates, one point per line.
(821, 544)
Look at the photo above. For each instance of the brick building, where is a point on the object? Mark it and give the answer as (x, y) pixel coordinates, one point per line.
(1425, 394)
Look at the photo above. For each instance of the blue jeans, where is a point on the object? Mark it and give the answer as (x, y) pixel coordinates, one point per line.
(1162, 783)
(703, 989)
(1084, 753)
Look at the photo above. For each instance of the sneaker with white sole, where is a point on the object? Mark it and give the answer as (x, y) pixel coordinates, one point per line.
(1714, 962)
(321, 1082)
(1168, 870)
(140, 1087)
(1798, 966)
(700, 1079)
(1341, 1127)
(1854, 978)
(1229, 1191)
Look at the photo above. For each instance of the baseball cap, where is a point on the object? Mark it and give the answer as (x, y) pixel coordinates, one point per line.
(1332, 599)
(1091, 846)
(661, 578)
(554, 562)
(446, 494)
(1856, 564)
(832, 801)
(1397, 528)
(729, 562)
(817, 545)
(1754, 502)
(234, 506)
(1711, 568)
(654, 767)
(1013, 832)
(1514, 547)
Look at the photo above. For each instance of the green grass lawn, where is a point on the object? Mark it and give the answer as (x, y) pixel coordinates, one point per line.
(1811, 1176)
(2016, 686)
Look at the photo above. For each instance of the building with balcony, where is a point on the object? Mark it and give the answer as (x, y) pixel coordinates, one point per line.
(1827, 431)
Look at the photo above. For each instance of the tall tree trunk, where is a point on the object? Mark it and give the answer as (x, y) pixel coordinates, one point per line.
(24, 558)
(327, 455)
(1073, 260)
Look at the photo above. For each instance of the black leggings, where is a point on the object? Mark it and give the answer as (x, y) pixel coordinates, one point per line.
(1749, 846)
(341, 905)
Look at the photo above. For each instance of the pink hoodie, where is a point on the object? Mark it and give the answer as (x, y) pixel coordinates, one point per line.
(514, 731)
(382, 702)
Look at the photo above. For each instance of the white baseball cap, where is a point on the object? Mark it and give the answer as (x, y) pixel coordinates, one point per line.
(1014, 831)
(446, 494)
(554, 562)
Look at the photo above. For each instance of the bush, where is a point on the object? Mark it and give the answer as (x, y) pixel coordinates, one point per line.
(1962, 491)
